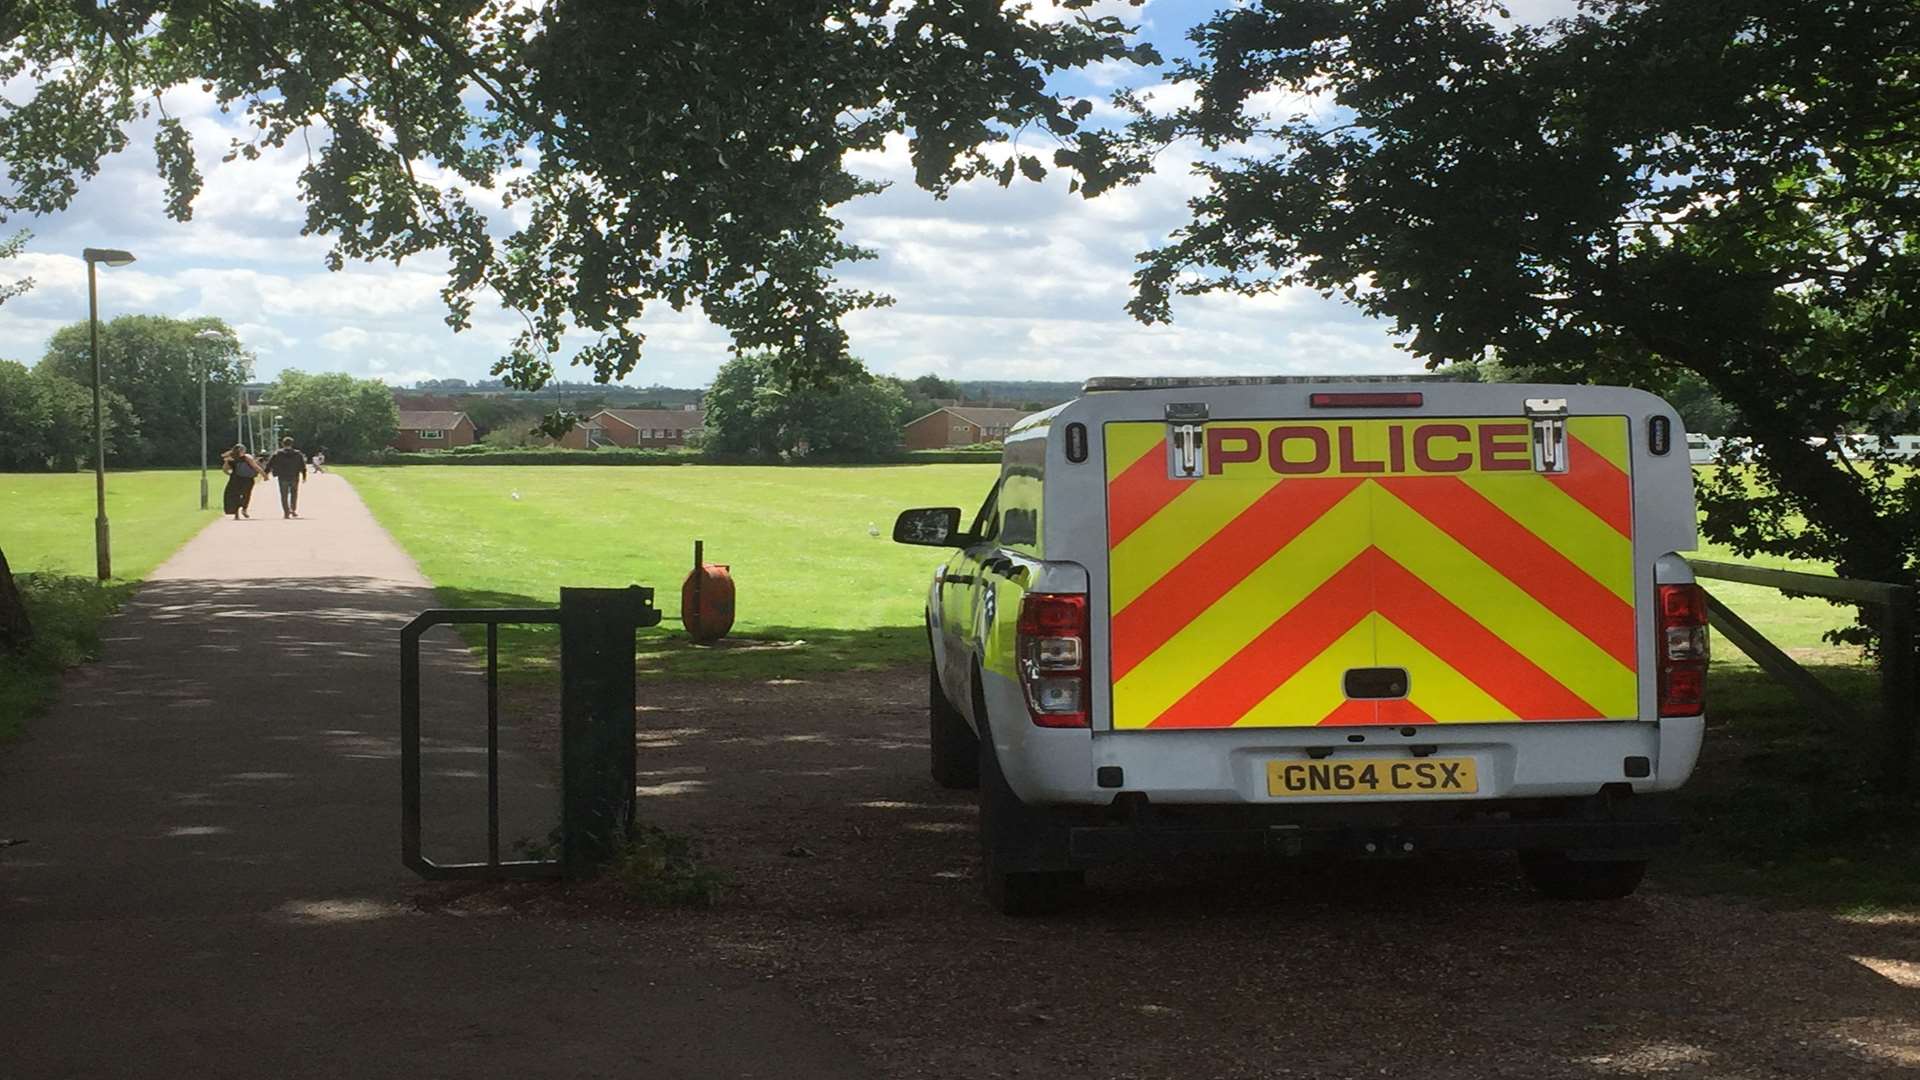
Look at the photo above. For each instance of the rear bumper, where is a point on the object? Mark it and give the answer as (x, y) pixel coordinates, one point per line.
(1094, 845)
(1228, 766)
(1614, 824)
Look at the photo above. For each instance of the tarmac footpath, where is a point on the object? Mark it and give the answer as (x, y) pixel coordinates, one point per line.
(207, 883)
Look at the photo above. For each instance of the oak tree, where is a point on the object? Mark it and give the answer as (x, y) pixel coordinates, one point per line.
(350, 418)
(156, 364)
(686, 152)
(753, 410)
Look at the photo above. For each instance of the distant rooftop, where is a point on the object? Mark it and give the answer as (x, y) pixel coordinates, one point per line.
(428, 421)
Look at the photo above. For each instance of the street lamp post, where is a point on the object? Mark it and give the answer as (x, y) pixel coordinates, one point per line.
(203, 436)
(103, 562)
(217, 336)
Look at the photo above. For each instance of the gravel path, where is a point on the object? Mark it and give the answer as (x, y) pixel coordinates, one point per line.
(857, 892)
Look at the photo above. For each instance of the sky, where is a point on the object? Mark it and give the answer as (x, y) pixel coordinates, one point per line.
(1026, 282)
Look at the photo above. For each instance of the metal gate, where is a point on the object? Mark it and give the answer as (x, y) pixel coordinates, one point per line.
(596, 728)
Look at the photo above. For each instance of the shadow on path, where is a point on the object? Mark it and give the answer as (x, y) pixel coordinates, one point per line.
(210, 884)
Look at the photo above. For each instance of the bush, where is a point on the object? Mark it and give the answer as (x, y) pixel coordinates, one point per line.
(989, 455)
(66, 613)
(657, 867)
(552, 455)
(516, 435)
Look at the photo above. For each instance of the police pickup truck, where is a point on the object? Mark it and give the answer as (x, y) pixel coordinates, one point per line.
(1294, 616)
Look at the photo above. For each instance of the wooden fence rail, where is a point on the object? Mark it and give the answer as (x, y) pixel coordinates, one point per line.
(1899, 718)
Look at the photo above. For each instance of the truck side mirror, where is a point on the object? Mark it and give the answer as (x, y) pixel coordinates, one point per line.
(929, 526)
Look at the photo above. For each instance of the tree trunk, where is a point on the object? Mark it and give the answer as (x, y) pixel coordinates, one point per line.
(16, 632)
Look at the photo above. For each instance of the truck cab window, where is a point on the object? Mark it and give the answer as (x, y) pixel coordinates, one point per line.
(986, 524)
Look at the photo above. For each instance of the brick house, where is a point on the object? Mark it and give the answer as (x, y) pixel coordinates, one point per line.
(432, 431)
(652, 428)
(960, 425)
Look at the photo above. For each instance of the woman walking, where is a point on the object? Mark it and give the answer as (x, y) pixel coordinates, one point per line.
(242, 470)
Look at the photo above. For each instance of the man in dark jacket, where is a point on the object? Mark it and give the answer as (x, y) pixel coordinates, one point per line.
(289, 466)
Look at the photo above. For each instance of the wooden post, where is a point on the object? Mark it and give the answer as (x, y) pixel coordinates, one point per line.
(699, 561)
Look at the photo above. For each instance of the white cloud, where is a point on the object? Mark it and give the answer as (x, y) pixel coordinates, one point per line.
(62, 280)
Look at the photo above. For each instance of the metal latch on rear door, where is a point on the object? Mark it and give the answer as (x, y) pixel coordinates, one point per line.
(1186, 439)
(1548, 418)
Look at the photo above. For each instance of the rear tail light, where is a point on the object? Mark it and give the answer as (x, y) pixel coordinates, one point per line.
(1052, 650)
(1683, 650)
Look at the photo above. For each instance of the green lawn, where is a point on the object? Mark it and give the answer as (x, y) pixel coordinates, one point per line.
(46, 519)
(817, 590)
(46, 529)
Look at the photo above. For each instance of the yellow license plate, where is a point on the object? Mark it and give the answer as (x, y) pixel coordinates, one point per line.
(1372, 776)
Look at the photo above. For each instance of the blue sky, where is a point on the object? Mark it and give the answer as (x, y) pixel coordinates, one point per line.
(1026, 282)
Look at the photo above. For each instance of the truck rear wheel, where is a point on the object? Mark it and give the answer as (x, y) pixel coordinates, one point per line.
(951, 744)
(1561, 878)
(1022, 856)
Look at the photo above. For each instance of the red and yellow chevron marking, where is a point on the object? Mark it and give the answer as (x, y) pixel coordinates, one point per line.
(1241, 598)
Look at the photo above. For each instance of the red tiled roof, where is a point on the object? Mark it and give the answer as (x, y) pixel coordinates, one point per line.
(429, 421)
(981, 415)
(644, 419)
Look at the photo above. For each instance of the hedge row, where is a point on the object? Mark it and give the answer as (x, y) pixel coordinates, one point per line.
(636, 456)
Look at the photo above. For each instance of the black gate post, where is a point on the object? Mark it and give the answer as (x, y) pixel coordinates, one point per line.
(1901, 714)
(596, 718)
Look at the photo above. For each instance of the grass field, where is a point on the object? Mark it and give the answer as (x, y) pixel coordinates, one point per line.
(816, 590)
(46, 529)
(46, 519)
(1796, 625)
(1793, 623)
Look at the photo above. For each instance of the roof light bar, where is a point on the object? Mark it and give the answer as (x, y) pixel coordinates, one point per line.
(1177, 382)
(1412, 400)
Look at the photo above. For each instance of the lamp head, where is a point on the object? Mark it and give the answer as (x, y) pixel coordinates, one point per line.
(110, 256)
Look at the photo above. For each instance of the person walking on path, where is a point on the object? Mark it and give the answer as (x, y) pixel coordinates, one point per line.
(242, 470)
(289, 466)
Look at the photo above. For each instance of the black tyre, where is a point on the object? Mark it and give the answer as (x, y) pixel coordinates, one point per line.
(1561, 878)
(1023, 862)
(951, 744)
